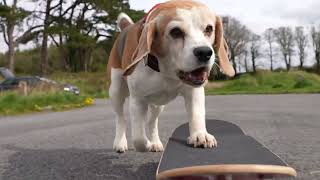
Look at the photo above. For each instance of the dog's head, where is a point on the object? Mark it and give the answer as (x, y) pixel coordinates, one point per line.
(185, 36)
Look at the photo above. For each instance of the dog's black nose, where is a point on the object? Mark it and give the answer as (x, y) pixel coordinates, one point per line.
(203, 53)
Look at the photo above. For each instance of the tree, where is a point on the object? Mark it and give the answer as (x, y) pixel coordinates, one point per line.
(80, 27)
(245, 59)
(44, 62)
(255, 43)
(285, 39)
(236, 35)
(11, 21)
(315, 34)
(269, 37)
(302, 41)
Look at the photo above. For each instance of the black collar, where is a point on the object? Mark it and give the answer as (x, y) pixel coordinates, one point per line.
(153, 63)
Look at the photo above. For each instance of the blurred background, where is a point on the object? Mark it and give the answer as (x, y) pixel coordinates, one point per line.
(53, 53)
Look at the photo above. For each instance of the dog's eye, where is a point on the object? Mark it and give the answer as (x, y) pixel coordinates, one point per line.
(208, 31)
(177, 33)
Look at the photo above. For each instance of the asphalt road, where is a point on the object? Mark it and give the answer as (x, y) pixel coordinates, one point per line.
(77, 144)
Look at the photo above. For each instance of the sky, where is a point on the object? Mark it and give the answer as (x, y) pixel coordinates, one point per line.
(257, 15)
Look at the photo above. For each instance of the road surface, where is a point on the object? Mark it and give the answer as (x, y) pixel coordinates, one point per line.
(77, 144)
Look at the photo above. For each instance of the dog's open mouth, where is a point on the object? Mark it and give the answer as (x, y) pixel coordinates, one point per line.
(196, 77)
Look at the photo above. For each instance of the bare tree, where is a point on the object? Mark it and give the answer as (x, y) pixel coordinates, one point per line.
(285, 39)
(237, 37)
(255, 43)
(245, 59)
(269, 37)
(315, 34)
(301, 39)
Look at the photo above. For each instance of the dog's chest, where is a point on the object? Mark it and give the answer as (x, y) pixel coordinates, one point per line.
(152, 87)
(161, 97)
(158, 91)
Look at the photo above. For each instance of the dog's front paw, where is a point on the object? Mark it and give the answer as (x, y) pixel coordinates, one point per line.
(156, 146)
(202, 139)
(120, 145)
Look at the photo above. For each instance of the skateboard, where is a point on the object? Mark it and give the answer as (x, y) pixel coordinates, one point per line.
(238, 157)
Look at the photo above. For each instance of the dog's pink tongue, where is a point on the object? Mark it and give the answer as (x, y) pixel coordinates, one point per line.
(198, 75)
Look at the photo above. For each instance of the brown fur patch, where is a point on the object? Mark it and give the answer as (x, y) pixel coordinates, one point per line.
(131, 43)
(169, 7)
(157, 47)
(221, 48)
(114, 60)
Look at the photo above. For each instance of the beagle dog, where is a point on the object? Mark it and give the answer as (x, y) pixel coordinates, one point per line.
(169, 52)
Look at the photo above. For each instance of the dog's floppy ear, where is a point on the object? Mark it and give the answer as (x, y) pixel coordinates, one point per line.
(144, 46)
(221, 48)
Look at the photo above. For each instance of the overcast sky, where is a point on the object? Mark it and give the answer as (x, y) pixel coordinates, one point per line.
(256, 14)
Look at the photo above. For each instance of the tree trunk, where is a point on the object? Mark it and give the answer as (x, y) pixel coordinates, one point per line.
(271, 65)
(318, 61)
(11, 41)
(44, 54)
(253, 58)
(289, 63)
(288, 67)
(285, 56)
(301, 62)
(11, 45)
(271, 57)
(44, 48)
(246, 63)
(233, 59)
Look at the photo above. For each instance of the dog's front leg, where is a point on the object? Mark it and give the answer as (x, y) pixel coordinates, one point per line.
(195, 106)
(138, 112)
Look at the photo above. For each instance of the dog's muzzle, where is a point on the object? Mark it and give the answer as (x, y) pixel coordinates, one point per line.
(196, 77)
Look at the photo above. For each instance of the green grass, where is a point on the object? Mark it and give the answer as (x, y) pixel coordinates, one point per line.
(12, 103)
(265, 82)
(94, 85)
(91, 84)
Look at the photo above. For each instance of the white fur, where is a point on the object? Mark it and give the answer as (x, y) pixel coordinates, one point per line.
(193, 22)
(151, 90)
(118, 92)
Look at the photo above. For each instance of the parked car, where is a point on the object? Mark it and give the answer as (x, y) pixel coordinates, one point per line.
(11, 82)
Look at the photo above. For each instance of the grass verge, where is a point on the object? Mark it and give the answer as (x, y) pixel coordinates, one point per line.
(266, 82)
(90, 84)
(13, 103)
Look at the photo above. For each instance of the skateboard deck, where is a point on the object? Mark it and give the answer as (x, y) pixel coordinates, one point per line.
(238, 156)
